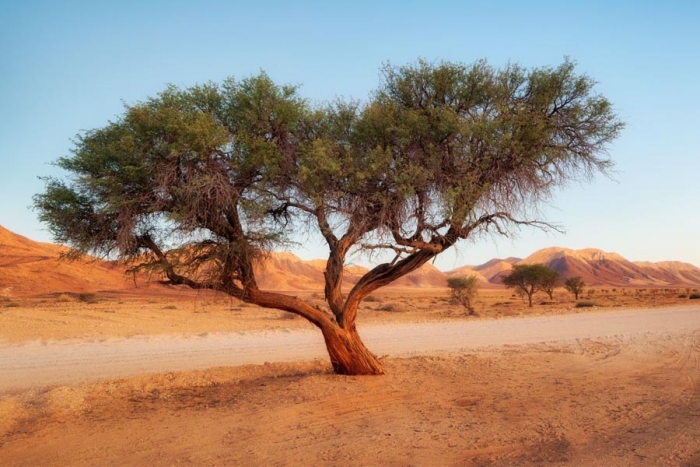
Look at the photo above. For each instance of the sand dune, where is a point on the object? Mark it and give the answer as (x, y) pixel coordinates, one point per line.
(32, 268)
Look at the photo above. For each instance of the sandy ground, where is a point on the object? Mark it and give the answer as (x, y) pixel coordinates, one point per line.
(622, 398)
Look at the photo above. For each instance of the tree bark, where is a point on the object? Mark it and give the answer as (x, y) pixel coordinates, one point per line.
(348, 353)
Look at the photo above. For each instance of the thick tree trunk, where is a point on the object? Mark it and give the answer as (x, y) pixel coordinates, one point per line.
(348, 354)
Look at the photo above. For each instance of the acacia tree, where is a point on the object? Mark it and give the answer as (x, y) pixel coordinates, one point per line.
(201, 183)
(551, 282)
(464, 290)
(575, 285)
(531, 278)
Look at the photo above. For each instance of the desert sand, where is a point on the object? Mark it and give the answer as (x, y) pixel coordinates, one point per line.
(579, 393)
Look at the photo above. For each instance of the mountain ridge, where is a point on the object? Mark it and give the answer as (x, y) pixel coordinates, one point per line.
(34, 268)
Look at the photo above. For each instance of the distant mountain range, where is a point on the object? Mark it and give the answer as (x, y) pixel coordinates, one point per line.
(595, 267)
(32, 268)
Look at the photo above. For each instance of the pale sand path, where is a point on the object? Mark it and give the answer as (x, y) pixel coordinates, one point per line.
(34, 363)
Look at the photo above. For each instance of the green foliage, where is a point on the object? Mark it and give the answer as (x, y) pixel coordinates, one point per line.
(172, 168)
(575, 285)
(584, 305)
(530, 279)
(188, 163)
(464, 290)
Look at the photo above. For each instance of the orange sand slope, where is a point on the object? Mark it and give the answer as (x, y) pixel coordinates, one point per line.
(32, 268)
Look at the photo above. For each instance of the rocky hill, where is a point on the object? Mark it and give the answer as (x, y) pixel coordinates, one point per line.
(29, 268)
(33, 268)
(597, 267)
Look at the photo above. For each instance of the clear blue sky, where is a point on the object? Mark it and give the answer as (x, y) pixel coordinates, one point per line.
(67, 66)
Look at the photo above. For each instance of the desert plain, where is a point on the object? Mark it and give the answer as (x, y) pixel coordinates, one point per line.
(614, 384)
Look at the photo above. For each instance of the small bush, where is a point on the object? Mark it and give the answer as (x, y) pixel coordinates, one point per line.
(682, 295)
(585, 304)
(63, 298)
(372, 298)
(12, 305)
(387, 307)
(88, 298)
(694, 296)
(170, 307)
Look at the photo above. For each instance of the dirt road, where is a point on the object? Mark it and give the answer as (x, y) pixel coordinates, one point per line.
(46, 363)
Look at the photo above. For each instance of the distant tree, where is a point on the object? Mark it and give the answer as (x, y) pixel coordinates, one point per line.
(200, 184)
(551, 283)
(530, 279)
(574, 285)
(464, 290)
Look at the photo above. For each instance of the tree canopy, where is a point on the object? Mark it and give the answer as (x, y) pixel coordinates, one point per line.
(531, 278)
(200, 183)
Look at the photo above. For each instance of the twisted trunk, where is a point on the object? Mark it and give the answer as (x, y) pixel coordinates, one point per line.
(348, 353)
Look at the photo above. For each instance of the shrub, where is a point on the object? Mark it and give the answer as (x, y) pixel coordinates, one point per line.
(694, 296)
(585, 304)
(64, 298)
(387, 307)
(372, 298)
(464, 290)
(88, 297)
(12, 305)
(682, 295)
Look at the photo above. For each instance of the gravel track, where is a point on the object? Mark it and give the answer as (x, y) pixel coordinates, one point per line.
(48, 363)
